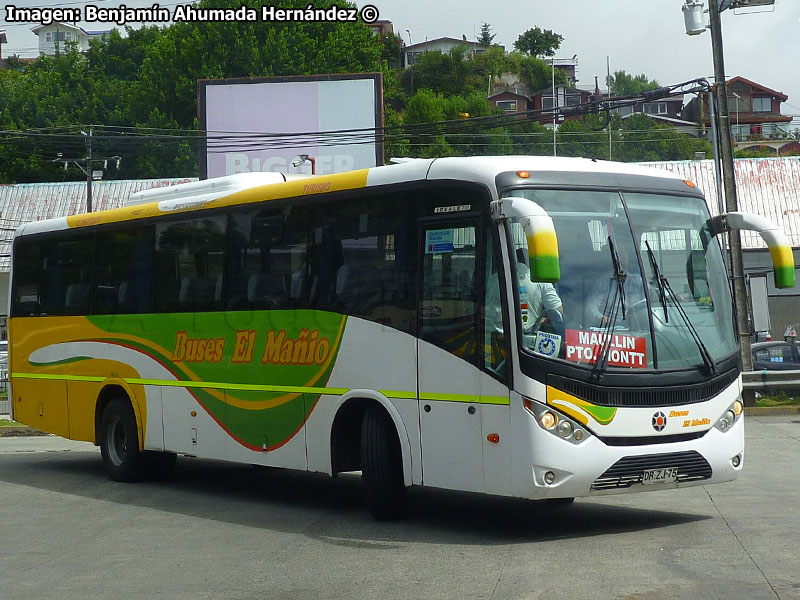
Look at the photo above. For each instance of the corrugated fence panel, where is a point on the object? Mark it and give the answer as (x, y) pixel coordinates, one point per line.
(769, 187)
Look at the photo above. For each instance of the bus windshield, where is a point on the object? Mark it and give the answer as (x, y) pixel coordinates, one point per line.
(638, 288)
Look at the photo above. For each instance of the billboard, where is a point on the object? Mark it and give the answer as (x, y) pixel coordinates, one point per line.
(265, 124)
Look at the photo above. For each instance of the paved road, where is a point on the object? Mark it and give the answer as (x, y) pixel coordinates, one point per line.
(240, 532)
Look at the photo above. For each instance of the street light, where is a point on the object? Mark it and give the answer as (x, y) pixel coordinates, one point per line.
(304, 158)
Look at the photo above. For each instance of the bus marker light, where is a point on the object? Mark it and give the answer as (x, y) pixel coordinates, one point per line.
(523, 174)
(493, 437)
(193, 413)
(689, 183)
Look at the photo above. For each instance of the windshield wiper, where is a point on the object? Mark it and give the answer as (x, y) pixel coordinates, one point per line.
(664, 286)
(619, 274)
(661, 285)
(617, 302)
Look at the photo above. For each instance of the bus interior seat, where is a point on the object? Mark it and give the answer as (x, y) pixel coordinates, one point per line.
(105, 299)
(266, 288)
(198, 292)
(77, 296)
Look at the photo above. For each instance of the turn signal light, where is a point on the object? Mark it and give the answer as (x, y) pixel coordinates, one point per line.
(548, 420)
(738, 407)
(493, 437)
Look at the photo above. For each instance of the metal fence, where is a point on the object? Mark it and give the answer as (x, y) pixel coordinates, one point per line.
(5, 405)
(764, 380)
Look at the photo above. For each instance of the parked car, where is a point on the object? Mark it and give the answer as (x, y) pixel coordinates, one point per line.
(781, 356)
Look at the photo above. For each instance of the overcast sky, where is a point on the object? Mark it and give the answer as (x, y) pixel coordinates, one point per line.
(638, 36)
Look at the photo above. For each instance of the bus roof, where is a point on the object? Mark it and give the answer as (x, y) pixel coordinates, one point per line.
(235, 190)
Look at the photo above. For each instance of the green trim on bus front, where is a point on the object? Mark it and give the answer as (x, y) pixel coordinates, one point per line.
(398, 394)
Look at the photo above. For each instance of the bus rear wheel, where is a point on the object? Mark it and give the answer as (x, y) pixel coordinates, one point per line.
(382, 465)
(119, 442)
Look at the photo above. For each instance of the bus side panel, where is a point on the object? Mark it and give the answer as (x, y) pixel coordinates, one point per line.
(82, 401)
(261, 421)
(189, 428)
(42, 404)
(496, 421)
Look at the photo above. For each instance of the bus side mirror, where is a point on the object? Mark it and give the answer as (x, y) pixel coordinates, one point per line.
(539, 232)
(779, 247)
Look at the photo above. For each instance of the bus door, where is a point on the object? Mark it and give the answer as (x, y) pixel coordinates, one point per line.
(448, 349)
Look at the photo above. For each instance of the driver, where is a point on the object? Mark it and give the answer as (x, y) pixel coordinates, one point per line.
(604, 289)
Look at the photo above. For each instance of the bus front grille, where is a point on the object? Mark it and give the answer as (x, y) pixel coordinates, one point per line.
(629, 471)
(643, 397)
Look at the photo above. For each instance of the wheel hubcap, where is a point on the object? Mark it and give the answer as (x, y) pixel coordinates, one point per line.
(117, 442)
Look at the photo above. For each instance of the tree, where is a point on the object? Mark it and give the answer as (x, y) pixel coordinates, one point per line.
(622, 84)
(538, 73)
(538, 42)
(486, 36)
(148, 79)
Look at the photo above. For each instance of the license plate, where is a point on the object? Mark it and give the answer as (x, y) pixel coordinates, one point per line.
(655, 476)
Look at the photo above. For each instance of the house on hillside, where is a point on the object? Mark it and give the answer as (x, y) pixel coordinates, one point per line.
(561, 96)
(667, 111)
(754, 111)
(3, 40)
(54, 37)
(443, 45)
(509, 102)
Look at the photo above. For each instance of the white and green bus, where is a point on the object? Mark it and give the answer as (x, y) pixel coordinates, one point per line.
(543, 328)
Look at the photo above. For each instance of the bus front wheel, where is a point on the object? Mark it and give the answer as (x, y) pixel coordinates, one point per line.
(382, 465)
(119, 442)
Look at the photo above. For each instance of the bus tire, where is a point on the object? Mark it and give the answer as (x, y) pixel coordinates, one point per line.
(382, 465)
(119, 442)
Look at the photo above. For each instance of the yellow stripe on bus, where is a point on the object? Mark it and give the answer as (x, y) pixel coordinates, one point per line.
(293, 188)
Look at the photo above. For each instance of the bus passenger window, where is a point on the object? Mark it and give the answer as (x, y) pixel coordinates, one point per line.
(67, 276)
(362, 260)
(265, 264)
(123, 272)
(188, 265)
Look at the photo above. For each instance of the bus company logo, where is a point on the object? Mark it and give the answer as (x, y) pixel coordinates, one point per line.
(659, 421)
(431, 311)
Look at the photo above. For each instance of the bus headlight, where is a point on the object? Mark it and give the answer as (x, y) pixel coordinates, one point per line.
(564, 429)
(555, 422)
(729, 417)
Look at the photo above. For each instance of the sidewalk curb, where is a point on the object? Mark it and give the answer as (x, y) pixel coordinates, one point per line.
(765, 411)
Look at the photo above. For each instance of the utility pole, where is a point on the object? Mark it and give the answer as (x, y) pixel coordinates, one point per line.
(731, 202)
(90, 159)
(89, 171)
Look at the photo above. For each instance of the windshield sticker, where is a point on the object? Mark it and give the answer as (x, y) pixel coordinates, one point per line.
(547, 344)
(438, 241)
(623, 350)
